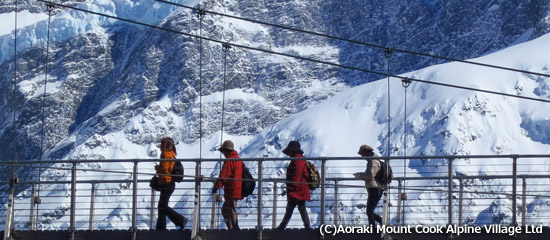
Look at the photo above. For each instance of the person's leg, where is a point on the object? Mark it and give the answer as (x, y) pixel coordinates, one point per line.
(226, 213)
(377, 199)
(234, 219)
(290, 205)
(372, 200)
(303, 213)
(162, 207)
(174, 216)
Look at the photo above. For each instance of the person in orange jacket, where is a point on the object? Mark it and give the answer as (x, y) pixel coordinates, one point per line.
(168, 151)
(230, 179)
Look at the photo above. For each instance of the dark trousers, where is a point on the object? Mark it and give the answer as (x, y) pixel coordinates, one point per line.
(165, 211)
(374, 195)
(290, 205)
(229, 213)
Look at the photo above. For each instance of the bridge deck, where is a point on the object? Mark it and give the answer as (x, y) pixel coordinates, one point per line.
(251, 234)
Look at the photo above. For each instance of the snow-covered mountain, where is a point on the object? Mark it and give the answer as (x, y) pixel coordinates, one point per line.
(440, 121)
(114, 89)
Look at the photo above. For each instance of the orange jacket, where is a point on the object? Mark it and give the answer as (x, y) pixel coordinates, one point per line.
(165, 167)
(234, 170)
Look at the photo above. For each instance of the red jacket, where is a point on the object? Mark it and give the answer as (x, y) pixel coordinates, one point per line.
(231, 169)
(296, 177)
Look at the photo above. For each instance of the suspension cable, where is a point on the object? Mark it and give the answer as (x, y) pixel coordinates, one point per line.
(15, 84)
(358, 42)
(37, 200)
(200, 14)
(403, 197)
(9, 226)
(299, 57)
(50, 9)
(225, 49)
(388, 54)
(386, 210)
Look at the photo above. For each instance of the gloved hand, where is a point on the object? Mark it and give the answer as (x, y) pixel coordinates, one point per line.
(214, 190)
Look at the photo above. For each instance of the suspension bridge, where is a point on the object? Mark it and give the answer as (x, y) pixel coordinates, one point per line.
(78, 203)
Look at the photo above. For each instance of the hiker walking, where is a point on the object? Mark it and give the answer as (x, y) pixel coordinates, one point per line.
(167, 186)
(230, 179)
(373, 185)
(296, 185)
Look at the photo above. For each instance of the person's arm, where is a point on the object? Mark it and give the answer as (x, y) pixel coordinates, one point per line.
(301, 170)
(164, 170)
(373, 166)
(291, 176)
(224, 173)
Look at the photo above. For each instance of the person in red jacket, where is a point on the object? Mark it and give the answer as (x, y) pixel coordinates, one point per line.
(168, 151)
(296, 185)
(230, 179)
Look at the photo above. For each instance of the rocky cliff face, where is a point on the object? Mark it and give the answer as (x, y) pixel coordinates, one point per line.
(134, 66)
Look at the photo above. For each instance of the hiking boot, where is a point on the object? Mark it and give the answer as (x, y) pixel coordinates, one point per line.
(183, 223)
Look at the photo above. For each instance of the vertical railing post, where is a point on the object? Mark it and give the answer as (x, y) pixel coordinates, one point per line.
(31, 214)
(323, 188)
(73, 200)
(399, 202)
(335, 202)
(460, 199)
(274, 219)
(259, 225)
(523, 200)
(134, 197)
(514, 189)
(11, 206)
(450, 190)
(196, 202)
(386, 202)
(152, 210)
(213, 212)
(92, 207)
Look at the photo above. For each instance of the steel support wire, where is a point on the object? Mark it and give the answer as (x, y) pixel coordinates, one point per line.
(298, 57)
(13, 179)
(200, 14)
(442, 190)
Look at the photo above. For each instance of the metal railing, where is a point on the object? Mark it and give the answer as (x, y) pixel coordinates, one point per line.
(461, 190)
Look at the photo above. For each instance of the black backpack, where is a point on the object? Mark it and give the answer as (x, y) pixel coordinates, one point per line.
(381, 175)
(248, 182)
(177, 172)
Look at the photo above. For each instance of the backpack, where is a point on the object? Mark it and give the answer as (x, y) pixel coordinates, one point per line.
(177, 172)
(314, 179)
(248, 182)
(381, 174)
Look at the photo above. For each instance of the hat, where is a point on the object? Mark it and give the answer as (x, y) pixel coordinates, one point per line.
(364, 149)
(293, 146)
(228, 145)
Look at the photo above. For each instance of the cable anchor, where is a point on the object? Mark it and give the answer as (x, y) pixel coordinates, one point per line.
(406, 82)
(226, 47)
(201, 14)
(388, 52)
(50, 7)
